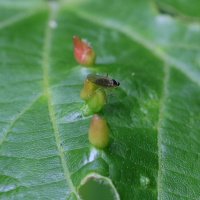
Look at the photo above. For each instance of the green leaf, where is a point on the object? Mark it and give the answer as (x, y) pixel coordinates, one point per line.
(153, 118)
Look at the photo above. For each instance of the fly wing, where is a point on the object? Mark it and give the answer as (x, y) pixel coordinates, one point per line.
(93, 77)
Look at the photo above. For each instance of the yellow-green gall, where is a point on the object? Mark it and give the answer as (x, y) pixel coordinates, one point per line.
(88, 89)
(94, 100)
(98, 132)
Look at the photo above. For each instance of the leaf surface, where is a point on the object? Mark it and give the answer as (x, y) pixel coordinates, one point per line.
(153, 118)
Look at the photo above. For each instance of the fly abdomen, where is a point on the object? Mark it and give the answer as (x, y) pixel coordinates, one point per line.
(102, 82)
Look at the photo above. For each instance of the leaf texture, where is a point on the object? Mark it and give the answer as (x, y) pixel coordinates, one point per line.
(153, 118)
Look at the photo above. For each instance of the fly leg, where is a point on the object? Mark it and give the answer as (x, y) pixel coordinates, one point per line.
(94, 92)
(111, 93)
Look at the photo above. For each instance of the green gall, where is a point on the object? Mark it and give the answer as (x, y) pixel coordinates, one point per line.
(98, 132)
(97, 100)
(83, 53)
(144, 181)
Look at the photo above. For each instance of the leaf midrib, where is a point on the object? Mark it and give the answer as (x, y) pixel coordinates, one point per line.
(46, 51)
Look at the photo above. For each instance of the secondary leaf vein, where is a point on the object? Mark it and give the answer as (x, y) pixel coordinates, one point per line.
(12, 123)
(154, 48)
(160, 116)
(16, 18)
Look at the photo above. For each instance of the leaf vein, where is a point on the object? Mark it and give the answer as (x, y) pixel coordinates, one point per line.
(133, 35)
(46, 50)
(12, 123)
(17, 18)
(160, 116)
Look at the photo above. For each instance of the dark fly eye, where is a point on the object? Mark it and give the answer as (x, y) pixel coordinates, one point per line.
(114, 82)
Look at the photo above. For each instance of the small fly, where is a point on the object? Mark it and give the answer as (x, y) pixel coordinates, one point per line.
(103, 81)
